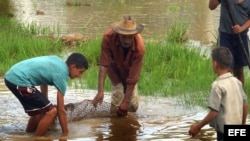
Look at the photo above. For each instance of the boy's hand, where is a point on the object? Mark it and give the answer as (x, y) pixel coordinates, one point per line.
(237, 29)
(194, 130)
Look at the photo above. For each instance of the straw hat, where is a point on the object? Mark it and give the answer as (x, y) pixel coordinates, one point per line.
(127, 26)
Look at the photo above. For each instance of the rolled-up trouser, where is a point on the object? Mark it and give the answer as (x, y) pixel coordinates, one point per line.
(118, 95)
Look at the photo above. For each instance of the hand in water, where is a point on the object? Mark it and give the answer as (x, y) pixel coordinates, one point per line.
(121, 112)
(98, 99)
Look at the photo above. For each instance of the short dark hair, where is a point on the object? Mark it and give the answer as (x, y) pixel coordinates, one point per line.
(223, 56)
(78, 59)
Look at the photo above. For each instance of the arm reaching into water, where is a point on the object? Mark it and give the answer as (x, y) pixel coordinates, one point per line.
(62, 113)
(195, 128)
(101, 80)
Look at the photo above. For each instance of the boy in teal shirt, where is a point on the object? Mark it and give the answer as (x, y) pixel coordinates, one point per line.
(42, 71)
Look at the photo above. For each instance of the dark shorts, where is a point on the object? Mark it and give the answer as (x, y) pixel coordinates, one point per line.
(231, 41)
(32, 100)
(220, 136)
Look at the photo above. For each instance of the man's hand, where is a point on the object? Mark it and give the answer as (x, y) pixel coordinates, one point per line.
(98, 99)
(122, 111)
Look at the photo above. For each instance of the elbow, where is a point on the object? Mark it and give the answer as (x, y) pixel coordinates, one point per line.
(211, 7)
(61, 111)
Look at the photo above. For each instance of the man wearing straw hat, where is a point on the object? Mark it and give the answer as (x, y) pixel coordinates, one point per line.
(122, 51)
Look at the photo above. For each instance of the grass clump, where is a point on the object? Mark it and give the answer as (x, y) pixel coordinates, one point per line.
(19, 41)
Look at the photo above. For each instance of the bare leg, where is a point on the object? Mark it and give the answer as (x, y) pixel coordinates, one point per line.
(239, 73)
(45, 122)
(33, 122)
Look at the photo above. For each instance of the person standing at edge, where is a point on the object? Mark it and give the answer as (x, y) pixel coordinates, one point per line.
(225, 90)
(42, 71)
(122, 52)
(240, 10)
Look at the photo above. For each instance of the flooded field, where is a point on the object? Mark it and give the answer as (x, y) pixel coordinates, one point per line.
(156, 119)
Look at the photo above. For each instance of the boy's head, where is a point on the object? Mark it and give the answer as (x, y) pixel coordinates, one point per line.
(222, 58)
(77, 64)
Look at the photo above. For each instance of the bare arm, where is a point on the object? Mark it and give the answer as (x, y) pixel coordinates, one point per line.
(44, 90)
(195, 129)
(62, 113)
(213, 4)
(238, 29)
(246, 25)
(101, 80)
(129, 90)
(245, 112)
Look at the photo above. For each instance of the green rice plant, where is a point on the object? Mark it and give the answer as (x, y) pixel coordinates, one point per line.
(173, 68)
(173, 8)
(247, 82)
(18, 43)
(177, 32)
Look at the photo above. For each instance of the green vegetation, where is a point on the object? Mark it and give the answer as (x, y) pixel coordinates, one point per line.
(20, 41)
(171, 67)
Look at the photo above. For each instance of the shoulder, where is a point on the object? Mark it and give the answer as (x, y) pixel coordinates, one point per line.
(237, 81)
(109, 36)
(215, 85)
(139, 38)
(109, 33)
(140, 42)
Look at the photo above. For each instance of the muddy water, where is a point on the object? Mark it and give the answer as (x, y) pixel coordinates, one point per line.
(156, 119)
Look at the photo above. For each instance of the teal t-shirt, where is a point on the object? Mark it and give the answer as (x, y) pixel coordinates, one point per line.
(43, 70)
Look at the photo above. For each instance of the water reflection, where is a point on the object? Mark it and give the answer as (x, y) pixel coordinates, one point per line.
(157, 118)
(125, 128)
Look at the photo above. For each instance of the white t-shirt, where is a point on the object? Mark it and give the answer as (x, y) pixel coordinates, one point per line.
(227, 97)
